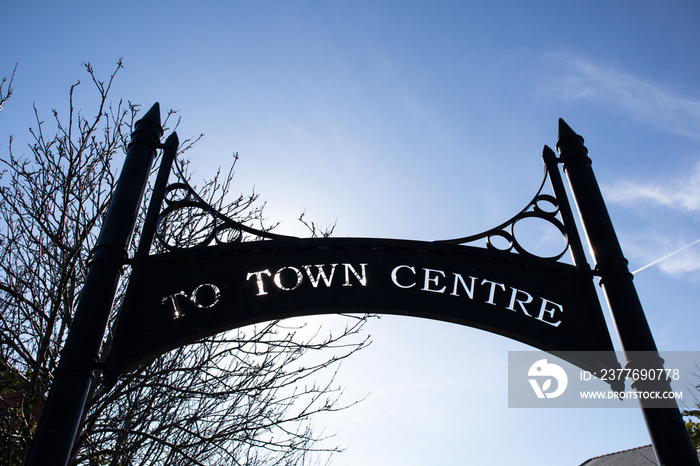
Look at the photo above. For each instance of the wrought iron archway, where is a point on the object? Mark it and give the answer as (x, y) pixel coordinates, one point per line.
(228, 274)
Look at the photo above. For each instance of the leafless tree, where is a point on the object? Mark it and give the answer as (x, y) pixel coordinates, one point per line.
(242, 397)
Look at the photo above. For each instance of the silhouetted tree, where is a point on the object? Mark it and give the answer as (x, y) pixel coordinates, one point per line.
(241, 397)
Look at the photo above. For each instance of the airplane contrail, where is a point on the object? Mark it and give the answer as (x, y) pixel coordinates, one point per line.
(667, 256)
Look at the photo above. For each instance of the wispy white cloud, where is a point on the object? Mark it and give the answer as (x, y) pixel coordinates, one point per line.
(682, 192)
(642, 100)
(682, 264)
(677, 264)
(664, 249)
(671, 256)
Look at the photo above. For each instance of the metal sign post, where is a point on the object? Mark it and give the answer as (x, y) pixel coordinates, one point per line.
(64, 406)
(666, 428)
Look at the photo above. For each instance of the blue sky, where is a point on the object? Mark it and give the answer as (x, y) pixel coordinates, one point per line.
(419, 120)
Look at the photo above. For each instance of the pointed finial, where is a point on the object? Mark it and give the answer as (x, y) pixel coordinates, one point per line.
(149, 126)
(153, 115)
(548, 155)
(548, 150)
(567, 137)
(172, 141)
(150, 122)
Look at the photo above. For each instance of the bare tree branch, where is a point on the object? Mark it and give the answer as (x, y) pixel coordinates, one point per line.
(241, 397)
(7, 93)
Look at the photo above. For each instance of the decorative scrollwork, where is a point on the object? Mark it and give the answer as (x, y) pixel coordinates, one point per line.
(188, 221)
(504, 237)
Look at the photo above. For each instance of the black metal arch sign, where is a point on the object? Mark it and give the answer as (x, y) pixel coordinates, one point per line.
(214, 281)
(177, 298)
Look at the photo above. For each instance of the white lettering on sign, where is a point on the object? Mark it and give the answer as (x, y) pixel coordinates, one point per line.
(258, 279)
(294, 277)
(395, 279)
(549, 311)
(491, 292)
(521, 302)
(205, 296)
(432, 277)
(361, 278)
(458, 280)
(320, 275)
(298, 278)
(435, 281)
